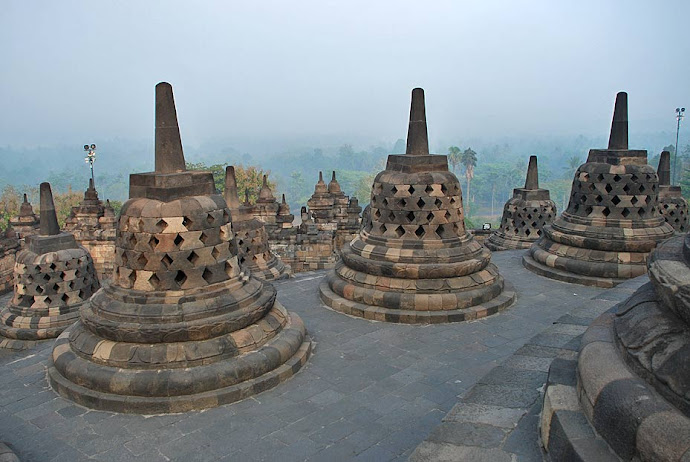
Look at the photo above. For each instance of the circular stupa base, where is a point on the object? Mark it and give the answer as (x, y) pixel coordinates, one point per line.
(611, 409)
(22, 332)
(566, 276)
(376, 313)
(273, 270)
(496, 243)
(173, 390)
(18, 345)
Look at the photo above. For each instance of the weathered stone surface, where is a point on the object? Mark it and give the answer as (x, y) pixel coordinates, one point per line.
(612, 222)
(413, 261)
(525, 215)
(182, 325)
(53, 278)
(26, 223)
(672, 205)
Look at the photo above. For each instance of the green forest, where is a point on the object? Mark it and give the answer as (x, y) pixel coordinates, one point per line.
(488, 172)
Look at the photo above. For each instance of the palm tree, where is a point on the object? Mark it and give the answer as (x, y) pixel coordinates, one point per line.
(573, 162)
(469, 160)
(454, 155)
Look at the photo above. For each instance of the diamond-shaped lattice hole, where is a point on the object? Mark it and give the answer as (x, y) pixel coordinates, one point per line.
(634, 178)
(438, 203)
(48, 300)
(399, 231)
(588, 210)
(642, 188)
(180, 278)
(403, 203)
(161, 225)
(142, 260)
(410, 216)
(56, 287)
(420, 203)
(64, 298)
(411, 189)
(52, 266)
(608, 188)
(419, 232)
(132, 277)
(625, 212)
(377, 214)
(634, 200)
(391, 216)
(394, 189)
(598, 199)
(641, 212)
(616, 200)
(214, 253)
(167, 261)
(600, 178)
(226, 216)
(153, 242)
(444, 190)
(132, 240)
(528, 232)
(429, 189)
(228, 268)
(203, 238)
(178, 240)
(647, 199)
(207, 275)
(187, 222)
(155, 281)
(193, 257)
(210, 219)
(626, 188)
(447, 215)
(384, 202)
(46, 277)
(617, 178)
(39, 289)
(429, 216)
(606, 212)
(440, 230)
(452, 201)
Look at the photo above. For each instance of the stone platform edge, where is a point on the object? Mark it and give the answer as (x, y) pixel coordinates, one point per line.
(498, 418)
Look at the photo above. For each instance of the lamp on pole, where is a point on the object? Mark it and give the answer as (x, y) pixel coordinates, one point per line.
(90, 157)
(680, 113)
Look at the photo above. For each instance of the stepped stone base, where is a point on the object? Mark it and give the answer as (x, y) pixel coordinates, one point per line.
(600, 391)
(376, 313)
(173, 390)
(566, 276)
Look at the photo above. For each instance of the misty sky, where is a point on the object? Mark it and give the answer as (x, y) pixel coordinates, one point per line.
(74, 71)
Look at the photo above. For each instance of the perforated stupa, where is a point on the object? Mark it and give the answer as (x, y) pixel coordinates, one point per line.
(413, 261)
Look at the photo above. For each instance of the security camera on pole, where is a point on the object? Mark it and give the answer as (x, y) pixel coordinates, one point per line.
(90, 157)
(680, 113)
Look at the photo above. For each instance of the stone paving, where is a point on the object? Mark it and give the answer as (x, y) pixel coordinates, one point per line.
(497, 419)
(371, 391)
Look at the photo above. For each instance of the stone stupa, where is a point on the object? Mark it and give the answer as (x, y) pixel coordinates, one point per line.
(53, 278)
(628, 392)
(26, 223)
(181, 326)
(672, 205)
(525, 215)
(413, 261)
(612, 222)
(253, 248)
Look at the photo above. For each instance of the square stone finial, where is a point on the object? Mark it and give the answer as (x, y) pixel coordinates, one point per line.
(618, 138)
(231, 196)
(49, 223)
(169, 155)
(664, 169)
(417, 138)
(532, 180)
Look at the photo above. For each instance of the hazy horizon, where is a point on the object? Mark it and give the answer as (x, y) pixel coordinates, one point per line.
(79, 71)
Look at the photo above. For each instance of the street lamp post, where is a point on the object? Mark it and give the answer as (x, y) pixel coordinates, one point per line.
(90, 158)
(680, 113)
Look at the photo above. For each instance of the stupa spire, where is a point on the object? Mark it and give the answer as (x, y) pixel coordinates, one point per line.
(417, 138)
(664, 169)
(49, 223)
(231, 196)
(169, 155)
(618, 138)
(532, 180)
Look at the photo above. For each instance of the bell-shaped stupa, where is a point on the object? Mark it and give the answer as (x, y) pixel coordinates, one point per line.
(612, 222)
(53, 278)
(525, 215)
(181, 326)
(413, 261)
(253, 248)
(26, 223)
(672, 205)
